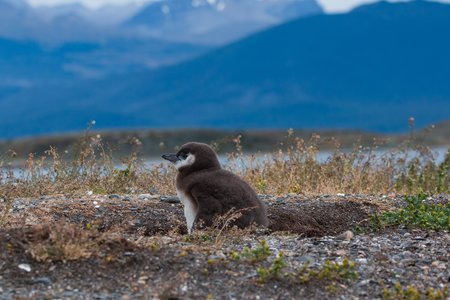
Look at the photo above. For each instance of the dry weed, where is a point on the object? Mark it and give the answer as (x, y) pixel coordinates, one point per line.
(295, 168)
(60, 242)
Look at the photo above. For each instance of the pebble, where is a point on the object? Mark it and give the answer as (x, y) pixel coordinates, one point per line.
(147, 197)
(361, 260)
(341, 252)
(143, 279)
(346, 236)
(126, 199)
(42, 280)
(306, 259)
(364, 282)
(25, 267)
(114, 196)
(280, 201)
(170, 199)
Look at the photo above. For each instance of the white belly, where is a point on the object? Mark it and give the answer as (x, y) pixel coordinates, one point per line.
(190, 211)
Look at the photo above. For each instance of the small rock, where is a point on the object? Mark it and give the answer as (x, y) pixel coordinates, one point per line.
(147, 197)
(89, 193)
(25, 267)
(213, 258)
(114, 196)
(391, 195)
(364, 282)
(68, 294)
(280, 201)
(408, 262)
(346, 236)
(42, 280)
(306, 259)
(341, 252)
(126, 199)
(361, 260)
(170, 199)
(340, 195)
(143, 279)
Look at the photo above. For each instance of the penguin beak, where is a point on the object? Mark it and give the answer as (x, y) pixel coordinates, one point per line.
(172, 157)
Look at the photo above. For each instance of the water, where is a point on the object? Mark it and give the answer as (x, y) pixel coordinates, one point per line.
(438, 153)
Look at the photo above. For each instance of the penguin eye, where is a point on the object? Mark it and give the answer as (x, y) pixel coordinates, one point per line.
(183, 155)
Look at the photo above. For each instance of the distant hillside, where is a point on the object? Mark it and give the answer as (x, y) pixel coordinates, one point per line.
(369, 69)
(156, 141)
(59, 45)
(216, 22)
(19, 21)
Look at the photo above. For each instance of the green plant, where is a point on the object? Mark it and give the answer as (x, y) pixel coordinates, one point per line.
(416, 213)
(257, 254)
(329, 271)
(398, 292)
(274, 271)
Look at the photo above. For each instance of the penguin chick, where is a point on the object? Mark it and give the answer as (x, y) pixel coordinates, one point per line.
(206, 190)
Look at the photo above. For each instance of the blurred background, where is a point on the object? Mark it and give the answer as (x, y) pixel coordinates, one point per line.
(162, 72)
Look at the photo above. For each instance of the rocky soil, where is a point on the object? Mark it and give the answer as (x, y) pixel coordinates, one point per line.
(136, 247)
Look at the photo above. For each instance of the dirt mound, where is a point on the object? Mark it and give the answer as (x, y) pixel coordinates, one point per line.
(317, 217)
(314, 217)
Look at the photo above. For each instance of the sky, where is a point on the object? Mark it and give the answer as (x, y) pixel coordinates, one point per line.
(330, 6)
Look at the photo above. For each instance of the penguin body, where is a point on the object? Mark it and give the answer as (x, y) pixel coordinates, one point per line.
(207, 191)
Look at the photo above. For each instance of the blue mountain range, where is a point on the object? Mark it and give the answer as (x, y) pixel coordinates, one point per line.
(369, 69)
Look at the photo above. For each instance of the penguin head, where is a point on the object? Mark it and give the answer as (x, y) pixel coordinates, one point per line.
(193, 157)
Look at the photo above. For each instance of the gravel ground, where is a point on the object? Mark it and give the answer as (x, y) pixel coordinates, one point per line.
(140, 250)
